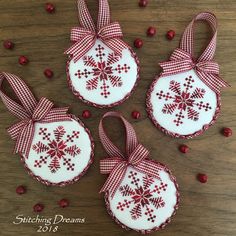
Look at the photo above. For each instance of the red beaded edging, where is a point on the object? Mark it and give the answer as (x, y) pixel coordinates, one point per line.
(64, 183)
(172, 134)
(163, 225)
(77, 94)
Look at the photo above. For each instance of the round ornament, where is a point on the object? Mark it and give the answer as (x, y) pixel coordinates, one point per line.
(140, 194)
(184, 100)
(102, 69)
(55, 147)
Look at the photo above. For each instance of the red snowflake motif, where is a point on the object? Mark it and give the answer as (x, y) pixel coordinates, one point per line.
(140, 199)
(56, 149)
(102, 73)
(184, 104)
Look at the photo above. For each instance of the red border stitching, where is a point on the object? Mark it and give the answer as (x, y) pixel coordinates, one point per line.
(163, 225)
(64, 183)
(77, 94)
(149, 110)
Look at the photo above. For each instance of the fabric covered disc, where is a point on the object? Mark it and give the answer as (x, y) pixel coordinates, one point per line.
(182, 105)
(101, 78)
(143, 203)
(61, 152)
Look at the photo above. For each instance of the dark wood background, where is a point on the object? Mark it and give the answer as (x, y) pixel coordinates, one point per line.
(205, 210)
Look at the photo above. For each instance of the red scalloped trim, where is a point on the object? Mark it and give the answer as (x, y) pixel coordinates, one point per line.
(163, 225)
(172, 134)
(64, 183)
(77, 94)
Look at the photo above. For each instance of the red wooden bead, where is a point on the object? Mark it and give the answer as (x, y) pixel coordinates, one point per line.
(143, 3)
(48, 73)
(38, 207)
(170, 34)
(183, 148)
(227, 132)
(135, 114)
(49, 7)
(202, 178)
(8, 44)
(138, 43)
(20, 189)
(151, 31)
(23, 60)
(86, 114)
(63, 203)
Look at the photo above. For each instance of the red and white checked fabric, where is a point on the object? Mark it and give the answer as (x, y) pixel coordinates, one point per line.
(117, 163)
(29, 111)
(183, 59)
(84, 37)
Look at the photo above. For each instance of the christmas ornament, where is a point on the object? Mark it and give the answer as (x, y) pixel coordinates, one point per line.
(102, 70)
(184, 148)
(140, 193)
(55, 147)
(184, 100)
(50, 8)
(138, 43)
(143, 3)
(63, 203)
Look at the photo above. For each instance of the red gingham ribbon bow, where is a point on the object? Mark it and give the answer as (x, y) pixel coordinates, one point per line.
(84, 37)
(116, 165)
(182, 58)
(29, 112)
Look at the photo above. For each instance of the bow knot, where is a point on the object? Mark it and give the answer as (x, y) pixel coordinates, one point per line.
(23, 131)
(85, 39)
(116, 166)
(207, 71)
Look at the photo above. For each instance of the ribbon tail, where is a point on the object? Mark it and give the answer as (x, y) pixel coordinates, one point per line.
(24, 140)
(213, 81)
(15, 129)
(79, 48)
(114, 179)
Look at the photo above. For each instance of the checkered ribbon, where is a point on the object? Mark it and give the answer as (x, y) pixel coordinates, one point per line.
(137, 156)
(183, 60)
(29, 111)
(84, 37)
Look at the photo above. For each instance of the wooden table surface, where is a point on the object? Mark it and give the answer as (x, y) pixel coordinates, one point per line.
(205, 209)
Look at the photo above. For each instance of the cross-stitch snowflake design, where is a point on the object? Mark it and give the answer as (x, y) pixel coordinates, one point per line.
(139, 199)
(56, 149)
(102, 71)
(184, 101)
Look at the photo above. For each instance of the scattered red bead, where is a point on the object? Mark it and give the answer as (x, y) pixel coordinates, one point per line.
(38, 207)
(86, 114)
(202, 178)
(151, 31)
(48, 73)
(143, 3)
(63, 203)
(23, 60)
(20, 190)
(227, 132)
(49, 7)
(138, 43)
(8, 44)
(183, 148)
(170, 34)
(135, 114)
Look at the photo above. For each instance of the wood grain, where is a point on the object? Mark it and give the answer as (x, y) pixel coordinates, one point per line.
(205, 210)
